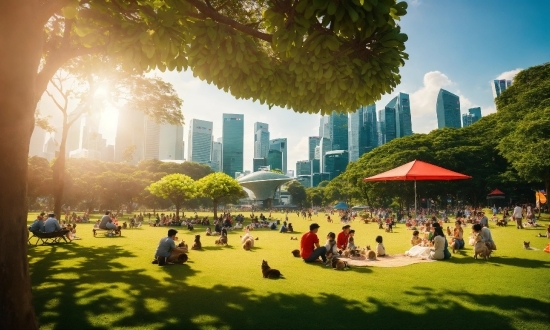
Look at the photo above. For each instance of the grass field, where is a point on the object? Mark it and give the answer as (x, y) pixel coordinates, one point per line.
(110, 283)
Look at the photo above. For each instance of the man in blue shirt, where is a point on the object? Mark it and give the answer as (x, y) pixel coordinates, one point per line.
(38, 224)
(165, 248)
(51, 224)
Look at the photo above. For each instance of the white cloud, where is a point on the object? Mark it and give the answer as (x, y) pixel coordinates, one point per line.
(416, 3)
(509, 75)
(423, 101)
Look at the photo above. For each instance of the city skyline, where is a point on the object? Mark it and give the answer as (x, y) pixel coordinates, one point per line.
(458, 56)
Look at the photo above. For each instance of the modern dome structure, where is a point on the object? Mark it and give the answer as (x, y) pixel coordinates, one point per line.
(263, 183)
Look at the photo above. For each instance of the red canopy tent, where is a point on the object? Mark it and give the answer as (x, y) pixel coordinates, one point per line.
(417, 170)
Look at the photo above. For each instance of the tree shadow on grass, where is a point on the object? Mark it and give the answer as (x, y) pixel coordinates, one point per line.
(103, 294)
(498, 260)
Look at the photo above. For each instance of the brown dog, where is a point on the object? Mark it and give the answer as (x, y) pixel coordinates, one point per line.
(481, 249)
(248, 243)
(197, 244)
(371, 255)
(269, 272)
(296, 253)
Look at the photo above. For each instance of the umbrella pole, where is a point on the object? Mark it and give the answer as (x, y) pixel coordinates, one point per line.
(415, 214)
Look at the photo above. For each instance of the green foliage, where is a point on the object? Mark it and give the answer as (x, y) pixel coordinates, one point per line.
(297, 192)
(315, 196)
(276, 170)
(39, 178)
(527, 105)
(308, 55)
(217, 186)
(175, 187)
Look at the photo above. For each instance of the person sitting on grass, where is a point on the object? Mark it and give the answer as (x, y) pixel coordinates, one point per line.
(486, 236)
(342, 240)
(351, 240)
(380, 249)
(310, 250)
(107, 222)
(457, 242)
(440, 249)
(290, 229)
(165, 248)
(283, 228)
(415, 240)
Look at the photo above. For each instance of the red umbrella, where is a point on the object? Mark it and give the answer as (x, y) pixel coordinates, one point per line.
(417, 170)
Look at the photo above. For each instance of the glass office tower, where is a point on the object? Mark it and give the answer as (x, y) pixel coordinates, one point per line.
(448, 109)
(233, 143)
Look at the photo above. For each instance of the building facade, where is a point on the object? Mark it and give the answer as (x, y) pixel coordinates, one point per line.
(448, 109)
(233, 143)
(387, 125)
(303, 167)
(200, 142)
(473, 115)
(261, 140)
(500, 85)
(313, 143)
(282, 146)
(275, 160)
(336, 162)
(216, 163)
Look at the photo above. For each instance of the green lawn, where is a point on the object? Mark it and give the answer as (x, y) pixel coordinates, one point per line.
(110, 283)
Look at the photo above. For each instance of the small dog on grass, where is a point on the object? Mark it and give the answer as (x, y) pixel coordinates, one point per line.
(296, 253)
(124, 225)
(222, 240)
(336, 263)
(269, 272)
(481, 249)
(371, 255)
(248, 244)
(526, 245)
(293, 238)
(197, 243)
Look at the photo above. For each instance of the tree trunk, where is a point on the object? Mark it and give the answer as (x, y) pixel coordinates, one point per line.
(59, 170)
(20, 52)
(215, 209)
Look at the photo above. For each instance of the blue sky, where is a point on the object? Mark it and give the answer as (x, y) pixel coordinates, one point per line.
(457, 45)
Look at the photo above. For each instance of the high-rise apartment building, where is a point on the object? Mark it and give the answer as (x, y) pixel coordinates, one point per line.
(261, 140)
(313, 143)
(282, 146)
(387, 125)
(448, 109)
(216, 162)
(500, 85)
(199, 143)
(233, 143)
(473, 115)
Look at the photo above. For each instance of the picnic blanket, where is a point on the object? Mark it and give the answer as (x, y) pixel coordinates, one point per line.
(396, 260)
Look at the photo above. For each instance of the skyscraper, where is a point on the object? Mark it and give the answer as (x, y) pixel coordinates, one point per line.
(355, 133)
(130, 135)
(275, 160)
(261, 140)
(500, 85)
(403, 107)
(473, 115)
(313, 143)
(336, 162)
(216, 162)
(170, 142)
(339, 131)
(371, 128)
(280, 145)
(387, 125)
(258, 164)
(233, 143)
(199, 143)
(303, 167)
(448, 109)
(325, 145)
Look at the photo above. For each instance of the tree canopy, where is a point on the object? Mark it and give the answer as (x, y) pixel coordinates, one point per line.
(307, 55)
(175, 187)
(217, 186)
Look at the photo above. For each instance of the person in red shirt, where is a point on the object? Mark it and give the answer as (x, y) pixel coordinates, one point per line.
(310, 250)
(342, 239)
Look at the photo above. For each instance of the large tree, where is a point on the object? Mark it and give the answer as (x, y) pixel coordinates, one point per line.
(217, 186)
(175, 187)
(308, 55)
